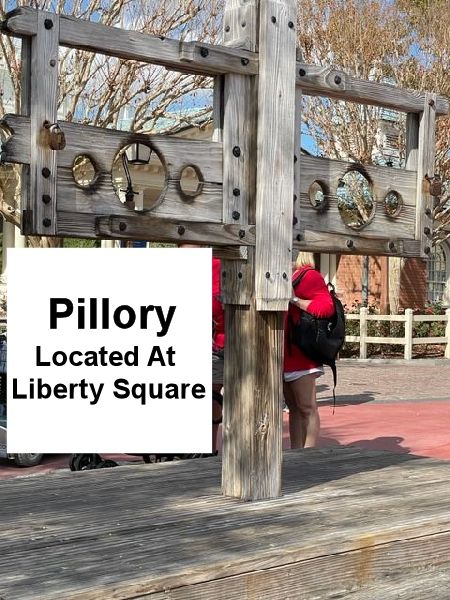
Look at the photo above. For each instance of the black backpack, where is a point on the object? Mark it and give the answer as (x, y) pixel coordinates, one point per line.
(319, 339)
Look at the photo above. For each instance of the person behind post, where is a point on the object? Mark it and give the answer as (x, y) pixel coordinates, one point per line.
(300, 372)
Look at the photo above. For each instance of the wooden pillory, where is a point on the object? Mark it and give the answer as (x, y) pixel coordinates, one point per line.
(256, 194)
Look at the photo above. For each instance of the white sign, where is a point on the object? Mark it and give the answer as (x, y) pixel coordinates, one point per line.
(109, 350)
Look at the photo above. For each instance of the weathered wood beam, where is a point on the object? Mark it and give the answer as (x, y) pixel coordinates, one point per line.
(316, 80)
(193, 57)
(324, 241)
(147, 227)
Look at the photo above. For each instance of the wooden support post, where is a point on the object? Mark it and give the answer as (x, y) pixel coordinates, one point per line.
(408, 333)
(363, 312)
(40, 215)
(252, 429)
(447, 333)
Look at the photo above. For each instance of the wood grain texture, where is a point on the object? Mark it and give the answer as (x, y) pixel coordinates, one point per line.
(425, 168)
(133, 45)
(275, 154)
(334, 83)
(43, 109)
(367, 521)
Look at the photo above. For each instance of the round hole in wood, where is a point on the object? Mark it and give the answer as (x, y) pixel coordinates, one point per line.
(191, 182)
(84, 171)
(393, 203)
(139, 176)
(356, 203)
(318, 195)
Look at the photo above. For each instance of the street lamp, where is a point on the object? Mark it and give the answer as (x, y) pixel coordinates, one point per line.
(134, 154)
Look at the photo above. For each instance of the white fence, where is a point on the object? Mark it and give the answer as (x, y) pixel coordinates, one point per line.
(408, 341)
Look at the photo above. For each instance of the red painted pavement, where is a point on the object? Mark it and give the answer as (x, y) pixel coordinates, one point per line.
(399, 408)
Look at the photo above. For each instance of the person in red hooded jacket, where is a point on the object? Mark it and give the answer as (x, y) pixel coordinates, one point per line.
(300, 372)
(218, 344)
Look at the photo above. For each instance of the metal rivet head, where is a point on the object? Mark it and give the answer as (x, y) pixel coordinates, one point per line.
(240, 275)
(236, 151)
(337, 79)
(294, 221)
(428, 212)
(244, 61)
(284, 275)
(273, 19)
(53, 62)
(181, 230)
(267, 275)
(427, 249)
(46, 222)
(204, 52)
(48, 24)
(122, 226)
(302, 72)
(299, 237)
(236, 215)
(46, 172)
(295, 158)
(426, 230)
(291, 25)
(46, 199)
(243, 24)
(236, 192)
(431, 102)
(391, 246)
(349, 243)
(227, 28)
(241, 233)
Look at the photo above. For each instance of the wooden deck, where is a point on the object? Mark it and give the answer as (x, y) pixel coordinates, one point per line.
(352, 524)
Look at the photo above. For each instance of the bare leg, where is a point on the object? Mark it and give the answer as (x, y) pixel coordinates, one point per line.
(216, 415)
(302, 394)
(295, 421)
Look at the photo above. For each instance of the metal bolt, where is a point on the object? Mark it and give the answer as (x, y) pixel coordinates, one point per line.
(243, 24)
(349, 244)
(431, 102)
(302, 72)
(122, 226)
(241, 233)
(273, 19)
(46, 222)
(236, 192)
(204, 52)
(294, 221)
(428, 212)
(426, 230)
(267, 275)
(391, 246)
(48, 24)
(53, 62)
(299, 237)
(244, 61)
(181, 230)
(46, 172)
(427, 249)
(236, 151)
(46, 199)
(227, 28)
(291, 25)
(284, 275)
(236, 215)
(337, 79)
(240, 275)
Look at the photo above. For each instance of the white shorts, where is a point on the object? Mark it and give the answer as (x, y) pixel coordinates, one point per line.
(293, 375)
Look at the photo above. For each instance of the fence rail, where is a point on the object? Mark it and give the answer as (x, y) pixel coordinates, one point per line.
(408, 341)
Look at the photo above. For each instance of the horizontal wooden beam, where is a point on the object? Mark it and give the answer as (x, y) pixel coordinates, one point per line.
(316, 80)
(146, 227)
(192, 57)
(321, 241)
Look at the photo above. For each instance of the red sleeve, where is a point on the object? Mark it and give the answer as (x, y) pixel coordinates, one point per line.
(312, 287)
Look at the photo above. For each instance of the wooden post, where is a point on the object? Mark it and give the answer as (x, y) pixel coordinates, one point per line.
(408, 333)
(447, 333)
(40, 216)
(252, 429)
(363, 312)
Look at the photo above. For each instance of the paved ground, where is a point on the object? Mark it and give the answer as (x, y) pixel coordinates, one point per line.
(401, 407)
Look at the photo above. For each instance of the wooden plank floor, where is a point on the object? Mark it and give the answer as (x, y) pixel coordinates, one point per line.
(351, 524)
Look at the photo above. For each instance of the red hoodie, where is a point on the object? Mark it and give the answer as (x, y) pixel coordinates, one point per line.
(311, 287)
(217, 308)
